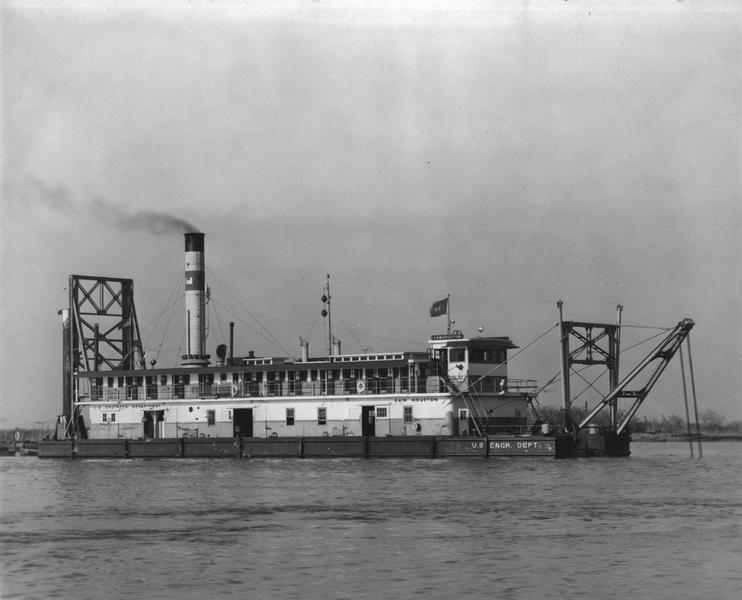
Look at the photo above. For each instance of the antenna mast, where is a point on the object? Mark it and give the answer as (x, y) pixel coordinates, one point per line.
(327, 312)
(448, 314)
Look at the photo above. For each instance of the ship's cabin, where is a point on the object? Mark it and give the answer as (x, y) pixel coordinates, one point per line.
(475, 364)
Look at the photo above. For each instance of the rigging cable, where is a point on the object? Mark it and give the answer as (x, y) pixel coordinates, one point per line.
(251, 328)
(312, 326)
(523, 349)
(167, 326)
(349, 330)
(268, 336)
(168, 306)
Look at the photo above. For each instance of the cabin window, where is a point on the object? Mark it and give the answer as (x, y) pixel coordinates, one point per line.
(151, 387)
(457, 355)
(222, 377)
(163, 379)
(381, 412)
(211, 417)
(463, 413)
(110, 382)
(321, 415)
(113, 417)
(486, 355)
(289, 416)
(187, 379)
(303, 376)
(98, 390)
(121, 382)
(407, 413)
(105, 417)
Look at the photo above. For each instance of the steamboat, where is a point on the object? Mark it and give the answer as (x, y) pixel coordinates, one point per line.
(453, 399)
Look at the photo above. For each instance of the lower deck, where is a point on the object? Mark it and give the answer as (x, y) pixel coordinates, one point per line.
(304, 417)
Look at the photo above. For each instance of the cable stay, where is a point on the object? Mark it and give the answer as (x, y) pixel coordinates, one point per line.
(265, 334)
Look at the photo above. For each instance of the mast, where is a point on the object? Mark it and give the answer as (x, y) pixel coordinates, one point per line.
(614, 373)
(448, 314)
(564, 339)
(327, 312)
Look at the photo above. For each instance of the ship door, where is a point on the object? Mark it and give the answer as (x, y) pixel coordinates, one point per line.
(152, 423)
(242, 422)
(368, 421)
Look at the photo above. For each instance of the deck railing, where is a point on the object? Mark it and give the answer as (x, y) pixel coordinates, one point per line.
(266, 389)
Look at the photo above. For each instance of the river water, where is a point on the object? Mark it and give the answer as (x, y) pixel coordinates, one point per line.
(655, 525)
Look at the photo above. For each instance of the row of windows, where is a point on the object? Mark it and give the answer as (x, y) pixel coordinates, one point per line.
(478, 355)
(381, 413)
(259, 377)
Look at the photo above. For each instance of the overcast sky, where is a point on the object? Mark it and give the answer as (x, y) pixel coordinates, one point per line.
(509, 157)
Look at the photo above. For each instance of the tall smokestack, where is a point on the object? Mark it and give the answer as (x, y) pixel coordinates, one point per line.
(195, 294)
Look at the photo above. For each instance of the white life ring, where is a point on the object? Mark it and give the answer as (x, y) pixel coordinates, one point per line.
(461, 376)
(235, 390)
(361, 386)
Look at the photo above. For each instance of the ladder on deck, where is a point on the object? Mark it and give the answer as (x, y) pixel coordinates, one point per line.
(473, 404)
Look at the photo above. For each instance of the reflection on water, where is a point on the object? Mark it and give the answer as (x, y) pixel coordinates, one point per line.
(656, 525)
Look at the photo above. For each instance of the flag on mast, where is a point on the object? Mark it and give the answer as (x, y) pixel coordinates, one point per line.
(439, 308)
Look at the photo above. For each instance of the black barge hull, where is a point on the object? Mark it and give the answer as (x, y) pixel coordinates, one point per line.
(337, 447)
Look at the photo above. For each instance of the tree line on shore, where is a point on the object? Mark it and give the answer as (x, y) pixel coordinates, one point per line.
(709, 421)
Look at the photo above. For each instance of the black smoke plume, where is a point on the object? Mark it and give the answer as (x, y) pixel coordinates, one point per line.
(57, 198)
(151, 221)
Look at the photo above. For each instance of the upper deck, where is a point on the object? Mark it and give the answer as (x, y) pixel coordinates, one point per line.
(482, 361)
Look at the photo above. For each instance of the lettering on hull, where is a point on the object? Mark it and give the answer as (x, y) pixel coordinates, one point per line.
(507, 447)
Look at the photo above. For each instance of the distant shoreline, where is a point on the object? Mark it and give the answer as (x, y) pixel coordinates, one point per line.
(705, 437)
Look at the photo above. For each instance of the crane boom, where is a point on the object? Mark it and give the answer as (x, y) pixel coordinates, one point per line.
(655, 362)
